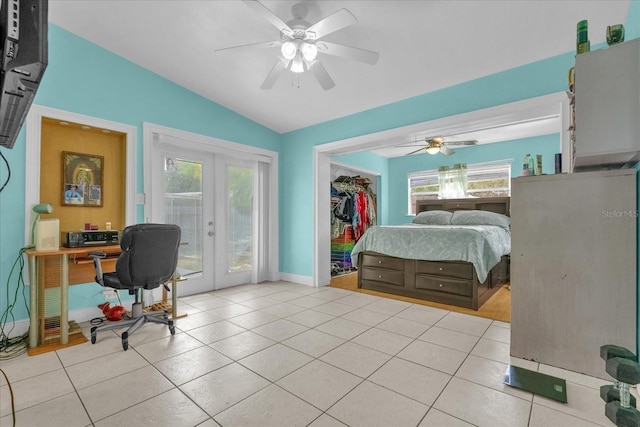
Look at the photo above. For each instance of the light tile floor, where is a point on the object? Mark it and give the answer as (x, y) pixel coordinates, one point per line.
(281, 354)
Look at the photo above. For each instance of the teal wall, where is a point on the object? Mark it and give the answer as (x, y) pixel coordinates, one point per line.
(400, 167)
(632, 26)
(86, 79)
(296, 171)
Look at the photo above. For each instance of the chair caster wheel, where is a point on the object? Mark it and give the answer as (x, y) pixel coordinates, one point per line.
(172, 330)
(125, 340)
(93, 338)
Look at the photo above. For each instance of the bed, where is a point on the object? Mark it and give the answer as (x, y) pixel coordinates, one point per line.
(455, 252)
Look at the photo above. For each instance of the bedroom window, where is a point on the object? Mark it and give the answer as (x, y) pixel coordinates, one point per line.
(483, 180)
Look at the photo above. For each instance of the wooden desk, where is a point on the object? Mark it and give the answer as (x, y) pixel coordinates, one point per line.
(59, 269)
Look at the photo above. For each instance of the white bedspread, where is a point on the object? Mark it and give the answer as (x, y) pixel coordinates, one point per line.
(481, 245)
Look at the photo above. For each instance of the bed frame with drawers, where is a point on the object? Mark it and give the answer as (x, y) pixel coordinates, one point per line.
(447, 282)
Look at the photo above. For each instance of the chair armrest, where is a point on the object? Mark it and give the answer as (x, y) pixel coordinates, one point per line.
(97, 265)
(97, 254)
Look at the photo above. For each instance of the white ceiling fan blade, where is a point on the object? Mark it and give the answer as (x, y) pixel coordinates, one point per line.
(321, 74)
(249, 47)
(355, 53)
(446, 151)
(276, 71)
(415, 151)
(263, 11)
(468, 142)
(334, 22)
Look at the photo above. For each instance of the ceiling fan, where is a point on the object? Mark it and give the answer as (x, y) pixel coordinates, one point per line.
(439, 145)
(300, 43)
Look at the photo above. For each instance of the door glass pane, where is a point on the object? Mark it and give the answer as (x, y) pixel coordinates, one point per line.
(240, 206)
(183, 206)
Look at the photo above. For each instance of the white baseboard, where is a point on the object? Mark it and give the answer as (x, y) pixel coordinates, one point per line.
(16, 328)
(295, 278)
(274, 277)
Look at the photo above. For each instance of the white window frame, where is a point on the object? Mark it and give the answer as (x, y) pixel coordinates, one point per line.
(472, 169)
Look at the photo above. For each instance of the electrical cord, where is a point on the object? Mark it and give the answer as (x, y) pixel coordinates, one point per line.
(97, 321)
(8, 172)
(13, 407)
(12, 347)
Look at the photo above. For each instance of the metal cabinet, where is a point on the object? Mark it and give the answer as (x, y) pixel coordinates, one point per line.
(573, 267)
(607, 104)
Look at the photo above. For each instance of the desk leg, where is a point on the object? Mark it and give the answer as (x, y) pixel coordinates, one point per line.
(33, 303)
(64, 300)
(174, 300)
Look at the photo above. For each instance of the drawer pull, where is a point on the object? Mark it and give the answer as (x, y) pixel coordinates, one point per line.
(379, 262)
(379, 276)
(441, 285)
(441, 268)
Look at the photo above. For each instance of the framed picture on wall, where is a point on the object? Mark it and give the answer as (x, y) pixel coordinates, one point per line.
(82, 179)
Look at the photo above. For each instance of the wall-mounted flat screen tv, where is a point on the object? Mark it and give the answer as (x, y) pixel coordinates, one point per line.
(23, 34)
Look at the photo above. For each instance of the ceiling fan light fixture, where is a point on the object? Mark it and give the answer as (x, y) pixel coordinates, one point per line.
(288, 50)
(433, 150)
(297, 65)
(310, 51)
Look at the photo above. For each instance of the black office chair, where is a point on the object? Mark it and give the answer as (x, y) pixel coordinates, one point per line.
(148, 259)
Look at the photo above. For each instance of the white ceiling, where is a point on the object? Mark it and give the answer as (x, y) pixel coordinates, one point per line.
(424, 46)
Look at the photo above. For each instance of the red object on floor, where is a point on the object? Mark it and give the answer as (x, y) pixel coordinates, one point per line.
(116, 312)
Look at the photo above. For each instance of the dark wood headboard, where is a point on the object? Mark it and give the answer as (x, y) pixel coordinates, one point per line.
(492, 204)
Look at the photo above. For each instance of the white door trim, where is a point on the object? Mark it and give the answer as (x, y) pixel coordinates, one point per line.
(32, 157)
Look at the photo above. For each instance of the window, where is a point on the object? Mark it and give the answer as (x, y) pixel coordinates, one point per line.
(483, 180)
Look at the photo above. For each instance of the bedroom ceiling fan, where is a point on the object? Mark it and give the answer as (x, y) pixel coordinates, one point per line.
(300, 43)
(439, 145)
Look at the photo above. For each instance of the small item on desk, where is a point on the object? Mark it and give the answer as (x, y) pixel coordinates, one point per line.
(526, 171)
(532, 165)
(107, 226)
(538, 164)
(87, 226)
(615, 34)
(558, 159)
(94, 227)
(582, 38)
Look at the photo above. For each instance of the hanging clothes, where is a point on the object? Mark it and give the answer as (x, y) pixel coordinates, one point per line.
(353, 210)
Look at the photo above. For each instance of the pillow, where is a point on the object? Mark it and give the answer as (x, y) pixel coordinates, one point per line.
(433, 218)
(480, 218)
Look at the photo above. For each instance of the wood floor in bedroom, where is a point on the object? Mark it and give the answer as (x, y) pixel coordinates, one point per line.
(498, 307)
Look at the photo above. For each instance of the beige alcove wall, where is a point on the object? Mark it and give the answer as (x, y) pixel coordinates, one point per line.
(59, 136)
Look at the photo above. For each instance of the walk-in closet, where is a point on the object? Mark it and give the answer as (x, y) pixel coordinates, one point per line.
(353, 210)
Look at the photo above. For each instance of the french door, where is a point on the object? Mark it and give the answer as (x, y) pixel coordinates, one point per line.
(211, 197)
(183, 194)
(234, 211)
